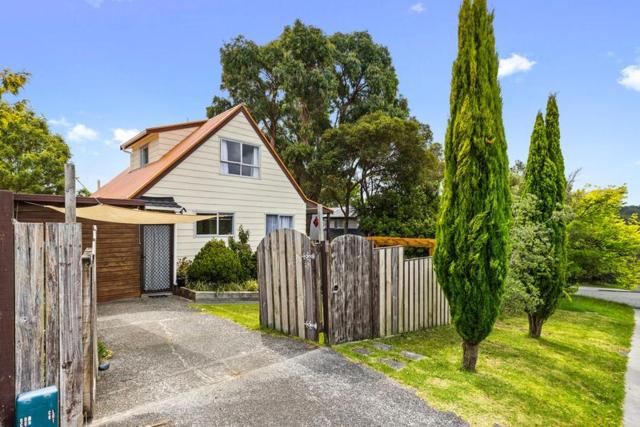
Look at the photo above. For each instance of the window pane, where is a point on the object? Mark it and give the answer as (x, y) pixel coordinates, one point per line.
(207, 226)
(286, 222)
(249, 155)
(233, 151)
(225, 224)
(144, 156)
(249, 171)
(272, 223)
(234, 168)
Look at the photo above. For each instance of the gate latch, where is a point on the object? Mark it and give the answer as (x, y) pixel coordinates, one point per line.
(310, 325)
(308, 257)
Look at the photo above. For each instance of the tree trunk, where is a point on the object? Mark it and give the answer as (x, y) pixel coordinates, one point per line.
(535, 326)
(346, 217)
(469, 356)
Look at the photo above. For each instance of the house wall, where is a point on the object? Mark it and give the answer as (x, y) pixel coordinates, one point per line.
(198, 185)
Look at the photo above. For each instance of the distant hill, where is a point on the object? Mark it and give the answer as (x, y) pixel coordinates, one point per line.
(627, 211)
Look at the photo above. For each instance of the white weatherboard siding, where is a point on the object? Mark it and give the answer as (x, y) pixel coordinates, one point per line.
(167, 139)
(198, 185)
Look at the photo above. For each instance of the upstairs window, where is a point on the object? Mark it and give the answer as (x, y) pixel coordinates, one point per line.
(239, 159)
(144, 155)
(220, 225)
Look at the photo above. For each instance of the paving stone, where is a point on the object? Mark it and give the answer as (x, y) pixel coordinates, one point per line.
(412, 356)
(382, 346)
(392, 363)
(361, 350)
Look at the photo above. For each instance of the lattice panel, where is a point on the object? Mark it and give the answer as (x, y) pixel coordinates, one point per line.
(157, 257)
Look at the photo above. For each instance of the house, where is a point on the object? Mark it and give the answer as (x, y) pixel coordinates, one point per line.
(223, 166)
(337, 222)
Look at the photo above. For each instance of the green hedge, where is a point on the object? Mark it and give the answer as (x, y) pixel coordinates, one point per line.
(215, 263)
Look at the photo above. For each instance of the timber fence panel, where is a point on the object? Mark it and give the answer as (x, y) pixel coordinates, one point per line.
(30, 306)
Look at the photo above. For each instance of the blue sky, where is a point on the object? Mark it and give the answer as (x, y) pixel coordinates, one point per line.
(102, 69)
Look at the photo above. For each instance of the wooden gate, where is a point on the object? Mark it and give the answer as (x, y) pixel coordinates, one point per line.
(289, 276)
(352, 297)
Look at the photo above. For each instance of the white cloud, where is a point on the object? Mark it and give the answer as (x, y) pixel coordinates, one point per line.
(514, 64)
(81, 133)
(122, 135)
(94, 3)
(417, 8)
(630, 77)
(62, 121)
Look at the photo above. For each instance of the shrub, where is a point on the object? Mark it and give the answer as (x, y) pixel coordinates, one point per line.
(183, 267)
(247, 257)
(215, 263)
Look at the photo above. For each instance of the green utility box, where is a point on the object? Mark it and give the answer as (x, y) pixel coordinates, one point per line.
(38, 408)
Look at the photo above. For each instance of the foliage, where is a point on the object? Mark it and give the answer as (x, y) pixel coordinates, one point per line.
(544, 180)
(603, 247)
(531, 256)
(215, 263)
(305, 82)
(183, 267)
(248, 261)
(628, 211)
(103, 352)
(472, 232)
(373, 154)
(200, 285)
(31, 157)
(562, 380)
(83, 192)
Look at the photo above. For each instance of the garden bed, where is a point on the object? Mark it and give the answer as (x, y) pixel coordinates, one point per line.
(217, 296)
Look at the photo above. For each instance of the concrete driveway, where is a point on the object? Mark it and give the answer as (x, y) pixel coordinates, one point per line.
(173, 366)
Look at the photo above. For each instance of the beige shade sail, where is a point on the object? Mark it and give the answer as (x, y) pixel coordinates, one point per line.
(108, 213)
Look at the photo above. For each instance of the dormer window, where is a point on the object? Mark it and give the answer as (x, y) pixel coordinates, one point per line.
(237, 158)
(144, 155)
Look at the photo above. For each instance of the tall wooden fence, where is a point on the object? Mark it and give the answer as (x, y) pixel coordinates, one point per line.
(347, 289)
(410, 296)
(54, 314)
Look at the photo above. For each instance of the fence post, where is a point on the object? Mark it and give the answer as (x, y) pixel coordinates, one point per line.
(69, 193)
(7, 308)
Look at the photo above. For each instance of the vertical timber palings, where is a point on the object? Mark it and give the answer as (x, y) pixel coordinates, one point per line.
(290, 262)
(275, 276)
(299, 282)
(284, 296)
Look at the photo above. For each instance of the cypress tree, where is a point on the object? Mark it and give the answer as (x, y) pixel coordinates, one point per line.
(472, 232)
(544, 178)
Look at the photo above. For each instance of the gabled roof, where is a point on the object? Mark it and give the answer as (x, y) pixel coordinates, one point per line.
(130, 184)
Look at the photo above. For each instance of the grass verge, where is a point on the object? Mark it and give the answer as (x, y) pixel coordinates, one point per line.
(573, 375)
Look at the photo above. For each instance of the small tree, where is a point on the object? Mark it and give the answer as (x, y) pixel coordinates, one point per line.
(544, 179)
(472, 232)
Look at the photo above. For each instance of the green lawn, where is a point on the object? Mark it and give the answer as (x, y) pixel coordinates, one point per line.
(246, 315)
(573, 375)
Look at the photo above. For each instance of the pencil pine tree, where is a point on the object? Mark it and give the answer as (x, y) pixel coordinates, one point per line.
(472, 232)
(544, 179)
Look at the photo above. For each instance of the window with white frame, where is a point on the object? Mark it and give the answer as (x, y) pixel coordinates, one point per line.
(220, 225)
(144, 155)
(275, 222)
(241, 159)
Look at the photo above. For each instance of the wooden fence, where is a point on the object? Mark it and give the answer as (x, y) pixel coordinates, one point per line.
(410, 296)
(55, 315)
(347, 289)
